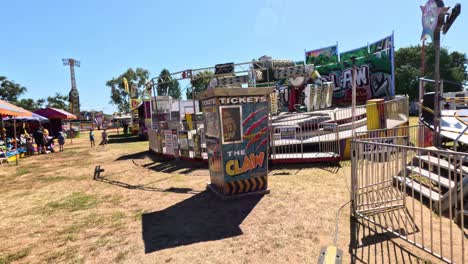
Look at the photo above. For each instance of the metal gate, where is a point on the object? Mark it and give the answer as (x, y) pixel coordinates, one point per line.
(301, 137)
(418, 194)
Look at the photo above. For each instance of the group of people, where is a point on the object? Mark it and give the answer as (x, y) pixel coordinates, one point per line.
(40, 141)
(44, 143)
(104, 135)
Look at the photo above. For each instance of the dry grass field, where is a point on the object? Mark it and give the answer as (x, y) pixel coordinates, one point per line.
(141, 210)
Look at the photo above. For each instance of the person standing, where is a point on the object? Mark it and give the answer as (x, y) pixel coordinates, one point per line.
(91, 137)
(105, 138)
(61, 140)
(39, 139)
(125, 127)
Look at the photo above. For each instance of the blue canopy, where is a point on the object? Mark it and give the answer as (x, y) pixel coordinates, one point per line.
(34, 117)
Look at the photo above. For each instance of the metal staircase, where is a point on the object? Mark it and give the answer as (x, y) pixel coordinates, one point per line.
(438, 176)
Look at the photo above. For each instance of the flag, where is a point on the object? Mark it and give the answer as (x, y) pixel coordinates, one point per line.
(125, 81)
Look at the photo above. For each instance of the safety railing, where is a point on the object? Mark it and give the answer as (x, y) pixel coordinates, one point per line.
(416, 135)
(418, 194)
(397, 110)
(304, 136)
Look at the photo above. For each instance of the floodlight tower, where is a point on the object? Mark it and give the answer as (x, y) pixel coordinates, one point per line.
(73, 96)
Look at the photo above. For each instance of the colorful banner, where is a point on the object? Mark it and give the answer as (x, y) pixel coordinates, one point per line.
(358, 53)
(322, 56)
(385, 48)
(374, 73)
(383, 45)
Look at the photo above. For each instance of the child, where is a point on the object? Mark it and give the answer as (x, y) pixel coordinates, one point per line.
(105, 138)
(61, 140)
(91, 137)
(30, 146)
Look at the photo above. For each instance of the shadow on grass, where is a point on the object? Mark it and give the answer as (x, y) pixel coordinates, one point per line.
(203, 217)
(179, 166)
(142, 187)
(377, 247)
(116, 139)
(371, 243)
(166, 165)
(293, 169)
(138, 155)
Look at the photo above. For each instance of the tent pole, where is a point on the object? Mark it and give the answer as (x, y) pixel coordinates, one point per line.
(16, 141)
(3, 132)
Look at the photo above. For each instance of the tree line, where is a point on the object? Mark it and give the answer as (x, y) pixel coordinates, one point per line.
(11, 92)
(408, 61)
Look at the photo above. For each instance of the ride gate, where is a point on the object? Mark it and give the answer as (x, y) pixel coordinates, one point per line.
(418, 194)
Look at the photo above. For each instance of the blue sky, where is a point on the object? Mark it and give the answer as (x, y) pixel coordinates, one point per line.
(110, 36)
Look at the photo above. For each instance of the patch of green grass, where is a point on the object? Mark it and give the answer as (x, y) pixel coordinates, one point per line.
(138, 214)
(20, 171)
(114, 199)
(16, 172)
(117, 220)
(99, 245)
(53, 179)
(68, 255)
(121, 257)
(117, 216)
(278, 245)
(92, 220)
(9, 258)
(73, 202)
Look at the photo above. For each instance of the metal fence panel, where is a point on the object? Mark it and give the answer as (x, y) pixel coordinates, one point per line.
(418, 194)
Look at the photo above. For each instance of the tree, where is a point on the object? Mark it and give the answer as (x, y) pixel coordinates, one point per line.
(453, 68)
(168, 87)
(9, 90)
(58, 101)
(119, 96)
(200, 83)
(29, 104)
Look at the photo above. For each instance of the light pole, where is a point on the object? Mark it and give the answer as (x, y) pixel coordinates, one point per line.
(435, 20)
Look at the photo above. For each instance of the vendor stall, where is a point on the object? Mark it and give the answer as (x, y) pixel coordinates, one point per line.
(12, 111)
(56, 117)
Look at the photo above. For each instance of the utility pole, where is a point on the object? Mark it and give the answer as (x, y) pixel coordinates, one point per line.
(73, 96)
(436, 19)
(437, 115)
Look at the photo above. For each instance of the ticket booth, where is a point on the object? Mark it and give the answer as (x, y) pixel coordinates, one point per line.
(236, 134)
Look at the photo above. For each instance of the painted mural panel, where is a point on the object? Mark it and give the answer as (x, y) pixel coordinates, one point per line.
(245, 158)
(375, 73)
(322, 56)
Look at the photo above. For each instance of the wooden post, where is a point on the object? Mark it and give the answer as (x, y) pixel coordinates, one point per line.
(16, 142)
(3, 132)
(353, 110)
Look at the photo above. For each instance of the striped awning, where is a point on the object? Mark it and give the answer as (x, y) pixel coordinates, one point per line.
(7, 109)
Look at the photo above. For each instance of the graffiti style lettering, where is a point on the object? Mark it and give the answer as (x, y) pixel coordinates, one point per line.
(249, 163)
(346, 79)
(362, 77)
